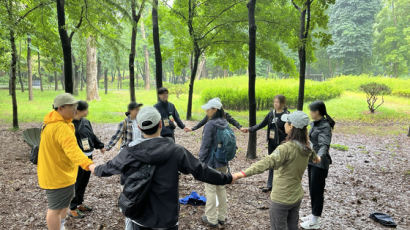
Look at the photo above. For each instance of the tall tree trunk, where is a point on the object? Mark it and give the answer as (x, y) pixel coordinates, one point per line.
(106, 81)
(55, 75)
(19, 68)
(29, 70)
(10, 80)
(251, 153)
(77, 78)
(201, 67)
(197, 54)
(119, 78)
(82, 76)
(131, 60)
(157, 46)
(146, 55)
(39, 72)
(99, 72)
(62, 78)
(113, 75)
(92, 89)
(13, 65)
(66, 45)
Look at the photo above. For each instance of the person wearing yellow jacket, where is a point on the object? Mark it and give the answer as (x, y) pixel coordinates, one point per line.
(58, 159)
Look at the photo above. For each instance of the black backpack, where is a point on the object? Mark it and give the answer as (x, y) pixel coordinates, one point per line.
(136, 187)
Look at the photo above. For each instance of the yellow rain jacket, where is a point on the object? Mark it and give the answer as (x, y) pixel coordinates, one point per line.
(59, 155)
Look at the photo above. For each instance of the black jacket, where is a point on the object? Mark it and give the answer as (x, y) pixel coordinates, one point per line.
(84, 130)
(320, 136)
(162, 209)
(270, 118)
(168, 111)
(228, 117)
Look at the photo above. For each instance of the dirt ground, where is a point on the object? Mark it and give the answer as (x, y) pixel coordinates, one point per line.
(373, 175)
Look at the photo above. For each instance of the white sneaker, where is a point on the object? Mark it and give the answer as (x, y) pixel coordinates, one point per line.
(310, 225)
(306, 218)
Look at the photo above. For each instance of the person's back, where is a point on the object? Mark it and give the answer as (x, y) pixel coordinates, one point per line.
(161, 207)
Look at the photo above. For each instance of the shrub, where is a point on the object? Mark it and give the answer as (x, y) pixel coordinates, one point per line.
(373, 90)
(401, 92)
(177, 89)
(353, 83)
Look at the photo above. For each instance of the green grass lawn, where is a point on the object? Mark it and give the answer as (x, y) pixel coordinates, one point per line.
(350, 106)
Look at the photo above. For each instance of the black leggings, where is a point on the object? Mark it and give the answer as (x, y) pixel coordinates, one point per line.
(136, 227)
(80, 185)
(271, 148)
(317, 182)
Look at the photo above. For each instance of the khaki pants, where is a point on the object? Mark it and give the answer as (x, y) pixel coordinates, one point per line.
(213, 192)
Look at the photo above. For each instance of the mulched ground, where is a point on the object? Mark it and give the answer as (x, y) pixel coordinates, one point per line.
(373, 175)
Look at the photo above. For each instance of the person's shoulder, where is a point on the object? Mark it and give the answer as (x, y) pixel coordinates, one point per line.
(324, 124)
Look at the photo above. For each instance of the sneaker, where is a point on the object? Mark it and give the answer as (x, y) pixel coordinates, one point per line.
(76, 214)
(310, 225)
(206, 222)
(306, 218)
(84, 208)
(267, 189)
(222, 222)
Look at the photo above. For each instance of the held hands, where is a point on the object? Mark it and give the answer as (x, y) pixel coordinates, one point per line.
(237, 176)
(317, 160)
(187, 130)
(92, 168)
(244, 130)
(102, 150)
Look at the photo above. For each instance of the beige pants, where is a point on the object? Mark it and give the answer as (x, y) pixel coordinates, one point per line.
(213, 192)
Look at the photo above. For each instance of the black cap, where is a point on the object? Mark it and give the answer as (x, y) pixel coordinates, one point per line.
(133, 105)
(162, 90)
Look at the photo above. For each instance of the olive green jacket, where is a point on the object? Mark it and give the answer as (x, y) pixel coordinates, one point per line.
(289, 161)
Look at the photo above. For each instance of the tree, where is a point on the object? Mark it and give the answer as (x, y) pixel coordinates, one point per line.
(351, 25)
(146, 60)
(135, 18)
(373, 90)
(39, 71)
(157, 45)
(19, 68)
(92, 88)
(29, 70)
(251, 153)
(392, 35)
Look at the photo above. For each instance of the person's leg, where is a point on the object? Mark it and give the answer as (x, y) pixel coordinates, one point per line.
(318, 177)
(293, 216)
(271, 148)
(211, 212)
(278, 216)
(221, 194)
(54, 219)
(82, 185)
(75, 202)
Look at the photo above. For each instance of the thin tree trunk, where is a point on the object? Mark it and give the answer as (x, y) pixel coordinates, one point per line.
(62, 77)
(19, 68)
(113, 76)
(191, 83)
(98, 72)
(304, 29)
(157, 46)
(119, 78)
(13, 66)
(131, 60)
(251, 153)
(146, 56)
(77, 78)
(82, 76)
(201, 67)
(55, 75)
(106, 81)
(29, 70)
(92, 89)
(66, 45)
(39, 72)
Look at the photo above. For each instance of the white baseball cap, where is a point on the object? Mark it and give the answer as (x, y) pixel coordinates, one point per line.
(148, 118)
(298, 119)
(214, 103)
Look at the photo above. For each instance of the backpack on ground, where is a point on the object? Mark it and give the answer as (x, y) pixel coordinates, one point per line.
(32, 138)
(136, 187)
(226, 145)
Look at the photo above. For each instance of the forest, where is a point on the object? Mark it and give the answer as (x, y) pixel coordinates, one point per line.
(352, 54)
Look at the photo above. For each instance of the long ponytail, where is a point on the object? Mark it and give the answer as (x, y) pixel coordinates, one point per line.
(321, 107)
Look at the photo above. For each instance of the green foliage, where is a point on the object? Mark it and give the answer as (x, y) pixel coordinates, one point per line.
(392, 37)
(353, 83)
(402, 92)
(339, 147)
(351, 25)
(176, 89)
(236, 96)
(373, 90)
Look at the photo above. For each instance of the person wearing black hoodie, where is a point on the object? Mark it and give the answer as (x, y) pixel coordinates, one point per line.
(161, 209)
(169, 115)
(87, 141)
(276, 131)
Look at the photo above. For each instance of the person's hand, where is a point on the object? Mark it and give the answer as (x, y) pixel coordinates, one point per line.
(317, 160)
(102, 150)
(92, 168)
(187, 130)
(237, 176)
(244, 130)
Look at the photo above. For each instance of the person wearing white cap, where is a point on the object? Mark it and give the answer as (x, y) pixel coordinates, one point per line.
(214, 215)
(289, 161)
(161, 209)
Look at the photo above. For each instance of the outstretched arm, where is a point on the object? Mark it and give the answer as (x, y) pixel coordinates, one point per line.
(232, 121)
(116, 137)
(188, 164)
(112, 167)
(261, 125)
(200, 124)
(178, 119)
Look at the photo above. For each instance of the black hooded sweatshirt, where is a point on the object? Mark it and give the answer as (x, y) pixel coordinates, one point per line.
(162, 207)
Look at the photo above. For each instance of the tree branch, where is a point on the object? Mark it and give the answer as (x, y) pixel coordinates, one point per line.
(31, 10)
(173, 10)
(223, 11)
(78, 25)
(296, 6)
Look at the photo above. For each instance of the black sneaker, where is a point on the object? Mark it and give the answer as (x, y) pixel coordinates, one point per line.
(206, 222)
(267, 189)
(222, 222)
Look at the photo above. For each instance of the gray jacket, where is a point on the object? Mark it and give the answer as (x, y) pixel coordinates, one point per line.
(209, 142)
(320, 136)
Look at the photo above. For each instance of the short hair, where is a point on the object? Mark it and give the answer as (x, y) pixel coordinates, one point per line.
(82, 106)
(152, 130)
(162, 90)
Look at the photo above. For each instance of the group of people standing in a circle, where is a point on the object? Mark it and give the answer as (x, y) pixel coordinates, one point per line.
(146, 135)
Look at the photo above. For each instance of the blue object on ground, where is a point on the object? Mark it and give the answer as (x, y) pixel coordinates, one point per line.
(193, 199)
